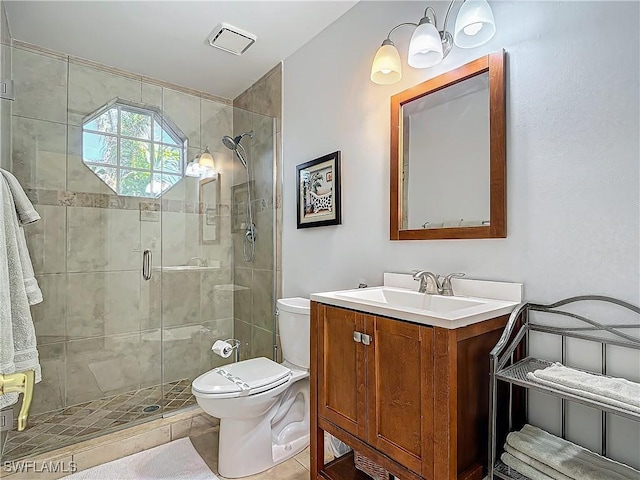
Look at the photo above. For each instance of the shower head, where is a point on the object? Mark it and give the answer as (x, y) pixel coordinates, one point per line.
(233, 143)
(229, 142)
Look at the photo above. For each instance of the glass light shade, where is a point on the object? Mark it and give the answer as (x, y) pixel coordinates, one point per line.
(386, 68)
(206, 159)
(475, 25)
(425, 48)
(193, 170)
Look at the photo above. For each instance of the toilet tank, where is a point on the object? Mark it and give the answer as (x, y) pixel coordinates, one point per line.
(294, 324)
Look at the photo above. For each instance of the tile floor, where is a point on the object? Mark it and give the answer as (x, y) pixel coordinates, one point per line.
(296, 468)
(59, 428)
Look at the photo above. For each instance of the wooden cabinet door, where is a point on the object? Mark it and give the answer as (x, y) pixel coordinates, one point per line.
(400, 392)
(341, 370)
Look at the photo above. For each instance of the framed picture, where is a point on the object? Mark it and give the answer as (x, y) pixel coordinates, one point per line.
(318, 189)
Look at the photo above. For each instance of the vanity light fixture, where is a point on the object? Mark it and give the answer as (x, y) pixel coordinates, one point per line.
(202, 165)
(474, 26)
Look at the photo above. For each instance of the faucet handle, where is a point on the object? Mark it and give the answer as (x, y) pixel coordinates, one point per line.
(447, 289)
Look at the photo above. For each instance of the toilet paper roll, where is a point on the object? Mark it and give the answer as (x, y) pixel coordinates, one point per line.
(222, 349)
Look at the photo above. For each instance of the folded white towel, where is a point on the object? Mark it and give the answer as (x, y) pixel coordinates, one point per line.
(532, 462)
(523, 468)
(567, 458)
(26, 213)
(618, 392)
(18, 290)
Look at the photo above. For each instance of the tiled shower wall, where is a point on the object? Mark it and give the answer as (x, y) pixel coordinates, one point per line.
(99, 326)
(5, 105)
(254, 304)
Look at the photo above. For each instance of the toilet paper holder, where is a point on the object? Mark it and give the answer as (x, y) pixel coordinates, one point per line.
(235, 346)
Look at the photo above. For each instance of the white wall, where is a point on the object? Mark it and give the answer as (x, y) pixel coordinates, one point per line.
(572, 134)
(572, 155)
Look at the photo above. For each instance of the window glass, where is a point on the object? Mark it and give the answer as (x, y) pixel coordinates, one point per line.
(135, 153)
(167, 159)
(107, 122)
(135, 124)
(136, 183)
(128, 148)
(162, 135)
(98, 148)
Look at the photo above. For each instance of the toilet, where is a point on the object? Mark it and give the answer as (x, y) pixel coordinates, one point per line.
(263, 406)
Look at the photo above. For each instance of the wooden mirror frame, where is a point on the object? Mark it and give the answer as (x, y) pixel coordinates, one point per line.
(494, 64)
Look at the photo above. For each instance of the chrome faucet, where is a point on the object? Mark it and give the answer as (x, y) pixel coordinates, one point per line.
(423, 277)
(435, 286)
(200, 262)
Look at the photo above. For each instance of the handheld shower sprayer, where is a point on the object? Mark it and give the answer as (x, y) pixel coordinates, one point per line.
(251, 232)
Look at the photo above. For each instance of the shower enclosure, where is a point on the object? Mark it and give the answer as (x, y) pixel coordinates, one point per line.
(142, 268)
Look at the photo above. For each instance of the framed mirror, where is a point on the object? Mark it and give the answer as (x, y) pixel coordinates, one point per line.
(448, 155)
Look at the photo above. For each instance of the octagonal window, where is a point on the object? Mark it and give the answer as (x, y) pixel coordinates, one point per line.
(135, 149)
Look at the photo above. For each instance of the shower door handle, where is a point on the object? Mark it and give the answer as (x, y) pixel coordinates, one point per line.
(146, 264)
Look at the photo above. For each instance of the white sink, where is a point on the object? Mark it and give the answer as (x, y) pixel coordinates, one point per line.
(399, 297)
(394, 300)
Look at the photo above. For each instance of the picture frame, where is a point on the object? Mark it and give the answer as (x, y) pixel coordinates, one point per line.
(318, 192)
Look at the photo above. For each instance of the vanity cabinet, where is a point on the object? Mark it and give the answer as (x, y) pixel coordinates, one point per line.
(411, 397)
(376, 383)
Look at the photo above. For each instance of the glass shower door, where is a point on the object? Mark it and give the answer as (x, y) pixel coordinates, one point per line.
(209, 291)
(195, 283)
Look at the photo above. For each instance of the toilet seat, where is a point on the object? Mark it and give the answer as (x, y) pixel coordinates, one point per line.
(241, 379)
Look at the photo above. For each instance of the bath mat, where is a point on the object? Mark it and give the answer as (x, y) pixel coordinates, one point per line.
(176, 460)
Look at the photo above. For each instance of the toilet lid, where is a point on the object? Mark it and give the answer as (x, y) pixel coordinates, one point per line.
(243, 378)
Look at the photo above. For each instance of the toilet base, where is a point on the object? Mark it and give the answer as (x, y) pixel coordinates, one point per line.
(252, 445)
(246, 448)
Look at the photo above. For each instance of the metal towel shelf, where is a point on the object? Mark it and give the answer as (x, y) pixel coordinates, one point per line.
(506, 368)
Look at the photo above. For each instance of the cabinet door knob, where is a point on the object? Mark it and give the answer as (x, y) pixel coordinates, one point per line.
(357, 337)
(366, 339)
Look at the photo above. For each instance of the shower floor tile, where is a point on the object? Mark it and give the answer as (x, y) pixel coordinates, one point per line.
(76, 423)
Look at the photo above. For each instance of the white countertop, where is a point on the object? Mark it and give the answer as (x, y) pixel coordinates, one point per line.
(488, 299)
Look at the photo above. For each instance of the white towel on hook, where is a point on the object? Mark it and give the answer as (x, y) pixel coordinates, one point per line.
(26, 213)
(617, 392)
(18, 290)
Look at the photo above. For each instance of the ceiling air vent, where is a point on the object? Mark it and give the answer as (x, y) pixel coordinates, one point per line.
(231, 39)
